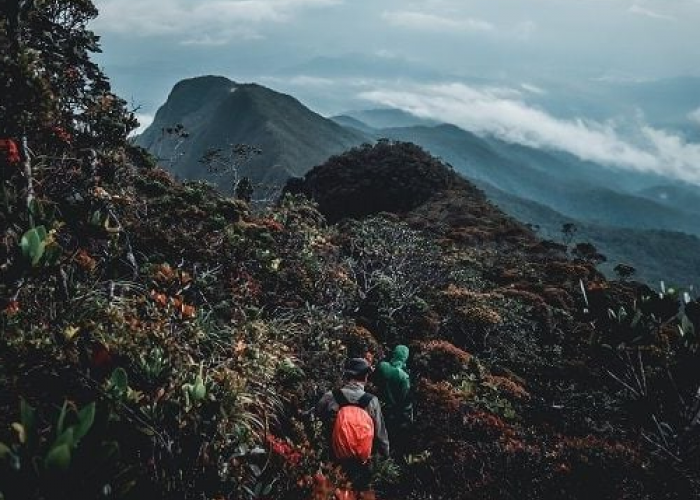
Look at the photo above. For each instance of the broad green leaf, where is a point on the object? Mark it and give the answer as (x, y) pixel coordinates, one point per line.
(58, 458)
(86, 418)
(60, 425)
(5, 451)
(33, 244)
(67, 438)
(119, 380)
(27, 416)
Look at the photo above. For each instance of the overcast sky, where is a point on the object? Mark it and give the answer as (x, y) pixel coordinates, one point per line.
(150, 44)
(481, 64)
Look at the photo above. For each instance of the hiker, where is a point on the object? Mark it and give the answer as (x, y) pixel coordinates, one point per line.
(356, 425)
(394, 386)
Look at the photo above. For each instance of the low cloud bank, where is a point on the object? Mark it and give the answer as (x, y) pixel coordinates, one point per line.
(494, 112)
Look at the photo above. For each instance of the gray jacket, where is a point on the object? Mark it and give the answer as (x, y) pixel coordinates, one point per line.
(327, 408)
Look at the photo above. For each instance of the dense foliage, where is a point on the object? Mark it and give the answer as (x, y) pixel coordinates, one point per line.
(161, 340)
(374, 179)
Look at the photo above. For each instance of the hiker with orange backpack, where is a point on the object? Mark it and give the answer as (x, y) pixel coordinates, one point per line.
(354, 419)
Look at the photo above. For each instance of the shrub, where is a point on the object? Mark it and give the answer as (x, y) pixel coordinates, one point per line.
(386, 177)
(439, 360)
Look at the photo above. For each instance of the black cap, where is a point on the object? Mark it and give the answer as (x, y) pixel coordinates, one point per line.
(356, 367)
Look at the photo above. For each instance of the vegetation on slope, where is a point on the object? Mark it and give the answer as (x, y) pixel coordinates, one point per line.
(550, 188)
(160, 340)
(648, 250)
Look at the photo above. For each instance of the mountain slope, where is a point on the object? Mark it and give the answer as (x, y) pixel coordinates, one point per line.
(549, 189)
(219, 113)
(383, 118)
(581, 190)
(646, 250)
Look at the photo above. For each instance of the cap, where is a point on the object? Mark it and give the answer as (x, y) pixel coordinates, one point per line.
(356, 367)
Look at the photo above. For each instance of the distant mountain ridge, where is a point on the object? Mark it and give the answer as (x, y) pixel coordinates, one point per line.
(218, 113)
(630, 217)
(537, 186)
(576, 188)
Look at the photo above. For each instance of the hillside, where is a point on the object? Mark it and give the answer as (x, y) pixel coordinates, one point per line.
(646, 250)
(217, 113)
(581, 190)
(162, 340)
(185, 330)
(549, 189)
(377, 119)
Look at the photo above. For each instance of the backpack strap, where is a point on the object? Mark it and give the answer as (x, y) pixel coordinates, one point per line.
(340, 398)
(342, 401)
(365, 400)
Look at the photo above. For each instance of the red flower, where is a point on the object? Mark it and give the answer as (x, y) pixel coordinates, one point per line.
(272, 225)
(10, 151)
(284, 450)
(62, 134)
(101, 357)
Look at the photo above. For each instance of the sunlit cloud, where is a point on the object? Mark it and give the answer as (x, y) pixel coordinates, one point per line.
(423, 21)
(145, 121)
(533, 89)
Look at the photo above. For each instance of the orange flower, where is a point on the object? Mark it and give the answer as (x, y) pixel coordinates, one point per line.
(187, 311)
(185, 278)
(12, 308)
(164, 273)
(85, 260)
(159, 298)
(284, 450)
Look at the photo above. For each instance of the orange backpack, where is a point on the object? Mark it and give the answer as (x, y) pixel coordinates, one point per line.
(353, 430)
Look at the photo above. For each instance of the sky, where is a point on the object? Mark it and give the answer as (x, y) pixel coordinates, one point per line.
(537, 72)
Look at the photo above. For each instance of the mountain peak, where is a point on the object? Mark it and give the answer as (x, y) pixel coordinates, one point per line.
(217, 113)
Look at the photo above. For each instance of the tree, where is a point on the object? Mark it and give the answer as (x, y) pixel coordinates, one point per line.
(62, 130)
(589, 253)
(244, 190)
(230, 162)
(52, 92)
(624, 271)
(569, 230)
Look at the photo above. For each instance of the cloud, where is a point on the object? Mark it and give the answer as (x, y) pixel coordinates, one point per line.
(694, 116)
(422, 21)
(311, 81)
(145, 121)
(221, 38)
(494, 112)
(643, 11)
(210, 22)
(524, 30)
(533, 89)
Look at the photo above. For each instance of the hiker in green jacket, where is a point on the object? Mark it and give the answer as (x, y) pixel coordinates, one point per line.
(394, 385)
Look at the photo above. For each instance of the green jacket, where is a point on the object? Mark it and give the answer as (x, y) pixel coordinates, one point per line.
(394, 385)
